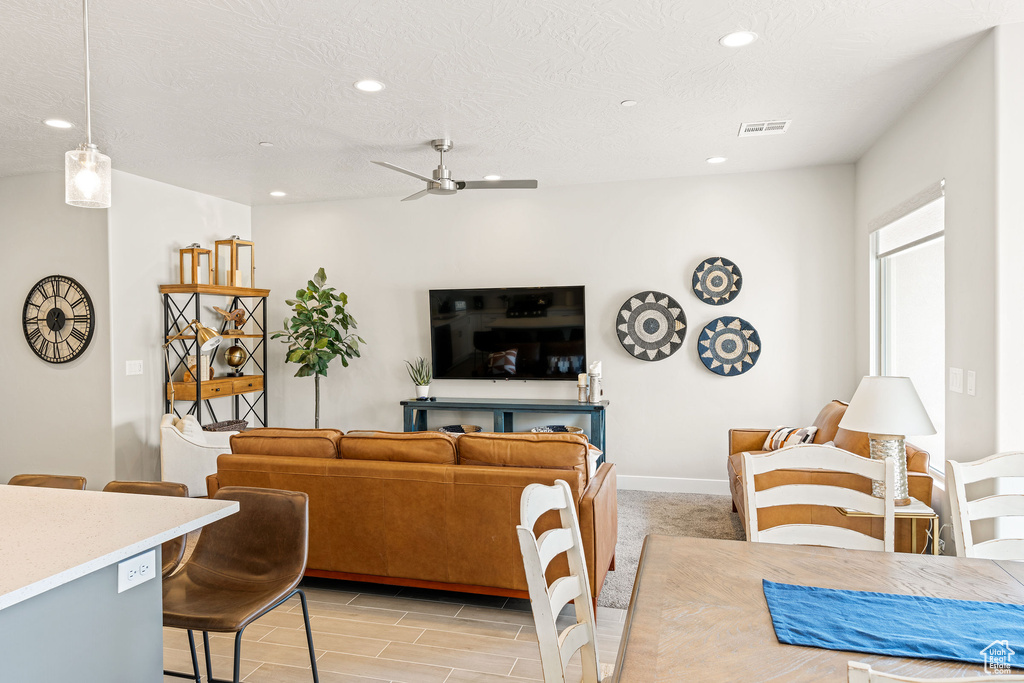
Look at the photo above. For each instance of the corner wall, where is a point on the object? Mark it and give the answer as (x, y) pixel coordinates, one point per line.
(55, 418)
(949, 133)
(790, 232)
(149, 222)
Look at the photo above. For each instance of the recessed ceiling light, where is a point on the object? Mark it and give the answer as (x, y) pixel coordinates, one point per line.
(369, 86)
(716, 160)
(738, 39)
(58, 123)
(266, 144)
(278, 193)
(628, 103)
(492, 177)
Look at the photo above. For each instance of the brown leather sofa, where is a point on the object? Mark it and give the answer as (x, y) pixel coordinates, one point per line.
(752, 440)
(423, 508)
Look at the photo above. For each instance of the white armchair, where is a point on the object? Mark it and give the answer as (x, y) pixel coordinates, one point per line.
(189, 458)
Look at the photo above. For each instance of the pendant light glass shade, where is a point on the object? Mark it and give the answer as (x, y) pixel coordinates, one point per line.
(87, 178)
(86, 169)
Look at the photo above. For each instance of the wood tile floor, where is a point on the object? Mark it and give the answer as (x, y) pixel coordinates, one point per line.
(364, 633)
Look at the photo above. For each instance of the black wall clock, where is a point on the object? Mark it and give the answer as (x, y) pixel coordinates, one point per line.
(59, 319)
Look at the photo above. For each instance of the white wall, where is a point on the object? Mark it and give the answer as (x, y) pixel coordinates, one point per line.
(789, 231)
(149, 222)
(949, 133)
(55, 418)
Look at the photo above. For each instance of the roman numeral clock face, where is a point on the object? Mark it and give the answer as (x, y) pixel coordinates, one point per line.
(58, 319)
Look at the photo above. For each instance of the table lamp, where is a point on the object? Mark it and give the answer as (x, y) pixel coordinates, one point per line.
(208, 340)
(888, 408)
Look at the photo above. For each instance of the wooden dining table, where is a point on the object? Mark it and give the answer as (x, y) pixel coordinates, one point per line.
(698, 611)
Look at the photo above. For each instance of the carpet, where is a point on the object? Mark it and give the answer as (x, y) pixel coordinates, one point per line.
(673, 514)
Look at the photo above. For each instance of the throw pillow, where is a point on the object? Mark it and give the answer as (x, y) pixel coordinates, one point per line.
(190, 427)
(503, 362)
(780, 437)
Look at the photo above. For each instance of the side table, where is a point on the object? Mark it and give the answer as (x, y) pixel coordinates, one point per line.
(915, 511)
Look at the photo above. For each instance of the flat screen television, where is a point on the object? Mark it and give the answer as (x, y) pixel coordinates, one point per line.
(513, 333)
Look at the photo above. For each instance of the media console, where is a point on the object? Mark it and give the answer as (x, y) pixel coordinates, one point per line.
(415, 413)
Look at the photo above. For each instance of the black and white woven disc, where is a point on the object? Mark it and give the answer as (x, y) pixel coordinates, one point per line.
(651, 325)
(717, 281)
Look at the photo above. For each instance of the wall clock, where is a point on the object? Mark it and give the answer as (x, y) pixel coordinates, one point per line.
(59, 319)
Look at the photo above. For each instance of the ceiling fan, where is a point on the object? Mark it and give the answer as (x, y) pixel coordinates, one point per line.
(442, 182)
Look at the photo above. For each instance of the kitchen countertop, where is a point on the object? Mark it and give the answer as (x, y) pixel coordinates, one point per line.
(50, 537)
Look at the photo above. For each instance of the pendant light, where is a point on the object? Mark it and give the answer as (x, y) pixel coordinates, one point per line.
(86, 169)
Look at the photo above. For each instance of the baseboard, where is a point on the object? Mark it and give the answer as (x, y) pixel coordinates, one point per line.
(674, 484)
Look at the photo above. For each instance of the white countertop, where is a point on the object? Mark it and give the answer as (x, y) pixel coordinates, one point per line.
(49, 537)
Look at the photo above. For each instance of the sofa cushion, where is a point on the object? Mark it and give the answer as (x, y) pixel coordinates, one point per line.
(303, 443)
(827, 421)
(547, 451)
(422, 447)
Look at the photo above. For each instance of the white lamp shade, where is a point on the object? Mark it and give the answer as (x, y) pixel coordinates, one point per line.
(887, 405)
(87, 178)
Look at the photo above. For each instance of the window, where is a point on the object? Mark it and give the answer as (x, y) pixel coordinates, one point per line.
(911, 312)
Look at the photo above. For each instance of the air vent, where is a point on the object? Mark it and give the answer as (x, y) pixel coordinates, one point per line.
(763, 128)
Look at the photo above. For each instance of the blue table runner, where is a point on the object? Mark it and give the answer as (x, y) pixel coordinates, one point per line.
(895, 625)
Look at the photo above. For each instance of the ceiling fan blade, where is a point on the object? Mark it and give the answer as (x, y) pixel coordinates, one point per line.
(416, 196)
(496, 184)
(403, 170)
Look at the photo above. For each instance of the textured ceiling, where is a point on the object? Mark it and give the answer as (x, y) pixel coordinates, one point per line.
(184, 90)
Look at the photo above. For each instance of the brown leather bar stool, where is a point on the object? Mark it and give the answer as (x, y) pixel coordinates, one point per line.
(173, 550)
(48, 481)
(242, 567)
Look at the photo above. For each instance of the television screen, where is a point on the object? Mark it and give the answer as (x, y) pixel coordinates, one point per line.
(514, 333)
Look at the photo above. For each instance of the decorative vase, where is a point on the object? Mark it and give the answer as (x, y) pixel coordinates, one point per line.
(422, 390)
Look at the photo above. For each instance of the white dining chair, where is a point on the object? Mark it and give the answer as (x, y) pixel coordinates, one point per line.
(858, 672)
(831, 459)
(962, 511)
(556, 649)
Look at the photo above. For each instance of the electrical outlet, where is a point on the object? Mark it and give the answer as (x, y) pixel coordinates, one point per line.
(136, 570)
(133, 367)
(972, 382)
(956, 380)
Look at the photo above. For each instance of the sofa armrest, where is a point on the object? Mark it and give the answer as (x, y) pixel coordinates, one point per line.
(599, 524)
(917, 459)
(747, 440)
(920, 486)
(212, 485)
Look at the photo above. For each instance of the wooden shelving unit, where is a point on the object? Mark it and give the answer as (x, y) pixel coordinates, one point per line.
(184, 303)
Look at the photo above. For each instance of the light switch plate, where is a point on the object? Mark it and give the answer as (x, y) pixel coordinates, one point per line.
(956, 380)
(133, 367)
(136, 570)
(972, 381)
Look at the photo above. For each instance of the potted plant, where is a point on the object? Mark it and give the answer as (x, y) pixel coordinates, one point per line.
(319, 331)
(420, 374)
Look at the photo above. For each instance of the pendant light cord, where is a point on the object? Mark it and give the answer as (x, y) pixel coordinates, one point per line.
(88, 103)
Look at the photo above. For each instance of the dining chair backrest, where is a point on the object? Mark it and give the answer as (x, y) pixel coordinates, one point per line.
(959, 475)
(48, 481)
(172, 551)
(547, 601)
(831, 459)
(264, 542)
(858, 672)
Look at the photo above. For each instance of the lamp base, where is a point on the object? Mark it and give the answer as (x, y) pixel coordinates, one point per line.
(891, 446)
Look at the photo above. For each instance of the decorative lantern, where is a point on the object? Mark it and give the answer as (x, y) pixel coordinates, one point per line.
(190, 265)
(236, 262)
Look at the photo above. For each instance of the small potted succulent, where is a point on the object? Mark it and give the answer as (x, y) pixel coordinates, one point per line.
(420, 374)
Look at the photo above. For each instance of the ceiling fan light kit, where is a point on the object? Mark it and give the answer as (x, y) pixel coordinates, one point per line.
(442, 183)
(86, 169)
